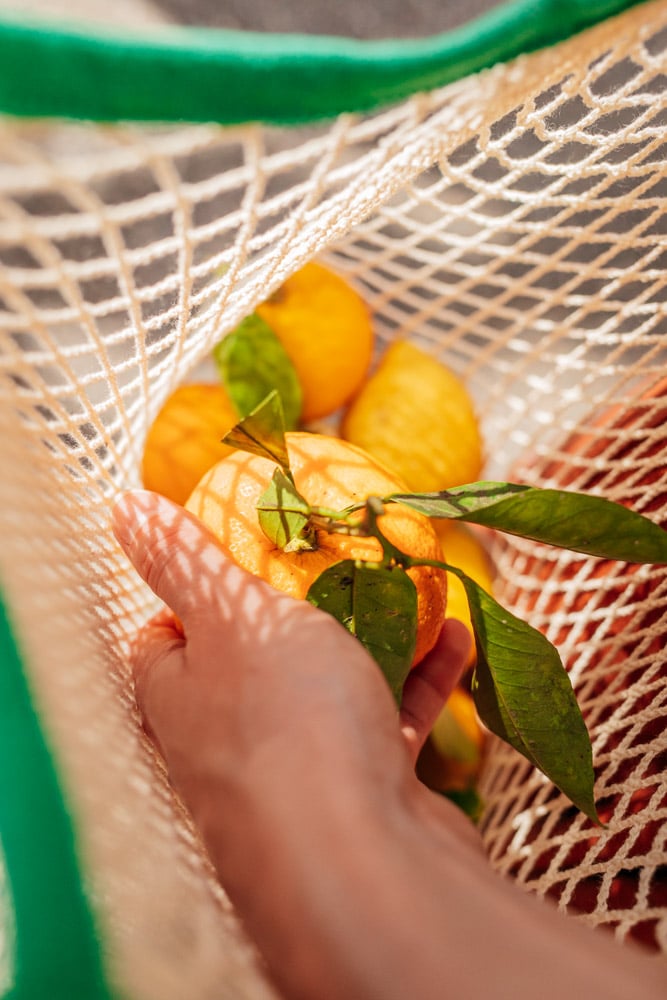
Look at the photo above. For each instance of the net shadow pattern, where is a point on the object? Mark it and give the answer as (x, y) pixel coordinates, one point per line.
(513, 225)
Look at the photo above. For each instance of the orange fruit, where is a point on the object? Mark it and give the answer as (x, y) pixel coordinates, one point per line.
(328, 473)
(461, 547)
(417, 417)
(184, 439)
(325, 328)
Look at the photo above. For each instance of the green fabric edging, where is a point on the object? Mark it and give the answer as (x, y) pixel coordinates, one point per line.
(197, 75)
(56, 955)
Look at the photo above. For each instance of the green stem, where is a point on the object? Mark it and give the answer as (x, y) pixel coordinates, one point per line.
(339, 522)
(392, 556)
(337, 515)
(436, 563)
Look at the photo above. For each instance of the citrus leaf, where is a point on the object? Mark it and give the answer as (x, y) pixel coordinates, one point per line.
(524, 695)
(460, 502)
(577, 521)
(379, 606)
(262, 432)
(283, 513)
(251, 362)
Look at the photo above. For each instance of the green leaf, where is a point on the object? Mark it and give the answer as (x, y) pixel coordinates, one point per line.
(577, 521)
(251, 362)
(461, 502)
(524, 695)
(262, 432)
(283, 514)
(379, 606)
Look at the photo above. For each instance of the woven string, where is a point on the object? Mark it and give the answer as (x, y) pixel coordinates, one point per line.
(509, 223)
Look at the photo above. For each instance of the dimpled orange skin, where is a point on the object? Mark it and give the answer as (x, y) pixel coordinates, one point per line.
(326, 328)
(185, 439)
(417, 417)
(329, 473)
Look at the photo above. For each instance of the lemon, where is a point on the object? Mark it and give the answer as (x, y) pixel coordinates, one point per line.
(416, 417)
(461, 548)
(452, 757)
(457, 733)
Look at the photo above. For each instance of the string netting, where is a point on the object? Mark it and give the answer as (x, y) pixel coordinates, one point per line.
(512, 224)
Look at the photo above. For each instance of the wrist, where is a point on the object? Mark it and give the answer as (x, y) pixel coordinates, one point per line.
(328, 880)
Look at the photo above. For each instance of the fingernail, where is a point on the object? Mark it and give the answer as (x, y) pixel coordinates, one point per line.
(129, 514)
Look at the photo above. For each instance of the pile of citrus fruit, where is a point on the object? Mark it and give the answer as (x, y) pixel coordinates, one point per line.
(405, 423)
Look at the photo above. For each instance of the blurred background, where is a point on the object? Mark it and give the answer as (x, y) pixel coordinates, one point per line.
(391, 18)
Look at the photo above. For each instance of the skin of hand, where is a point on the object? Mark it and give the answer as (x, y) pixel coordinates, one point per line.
(283, 740)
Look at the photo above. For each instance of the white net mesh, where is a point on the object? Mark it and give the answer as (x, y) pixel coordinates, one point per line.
(511, 223)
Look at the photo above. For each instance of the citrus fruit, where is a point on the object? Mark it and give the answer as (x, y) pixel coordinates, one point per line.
(328, 473)
(457, 733)
(326, 330)
(462, 548)
(184, 439)
(452, 757)
(417, 417)
(455, 745)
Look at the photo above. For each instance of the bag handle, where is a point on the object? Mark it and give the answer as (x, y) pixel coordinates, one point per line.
(56, 950)
(230, 77)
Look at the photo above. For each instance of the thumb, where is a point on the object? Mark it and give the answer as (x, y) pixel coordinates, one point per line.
(174, 553)
(157, 663)
(431, 682)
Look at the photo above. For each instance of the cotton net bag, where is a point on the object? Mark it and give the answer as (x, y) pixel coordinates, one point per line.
(496, 195)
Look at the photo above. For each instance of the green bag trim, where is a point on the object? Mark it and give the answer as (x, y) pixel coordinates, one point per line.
(56, 953)
(198, 75)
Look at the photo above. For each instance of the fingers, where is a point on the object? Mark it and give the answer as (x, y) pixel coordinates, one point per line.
(176, 556)
(157, 664)
(431, 682)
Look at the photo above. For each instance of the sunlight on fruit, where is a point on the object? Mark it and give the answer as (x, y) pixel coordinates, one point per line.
(416, 417)
(330, 473)
(326, 329)
(184, 440)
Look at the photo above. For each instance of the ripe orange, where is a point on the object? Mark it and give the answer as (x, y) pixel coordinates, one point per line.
(326, 329)
(184, 440)
(415, 416)
(328, 473)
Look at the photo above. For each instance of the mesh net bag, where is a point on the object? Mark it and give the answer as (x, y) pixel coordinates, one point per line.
(511, 222)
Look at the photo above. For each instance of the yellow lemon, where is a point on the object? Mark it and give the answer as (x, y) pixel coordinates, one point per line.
(457, 734)
(457, 739)
(326, 329)
(460, 547)
(417, 418)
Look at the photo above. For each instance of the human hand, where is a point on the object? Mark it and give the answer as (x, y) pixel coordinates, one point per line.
(276, 726)
(282, 738)
(248, 690)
